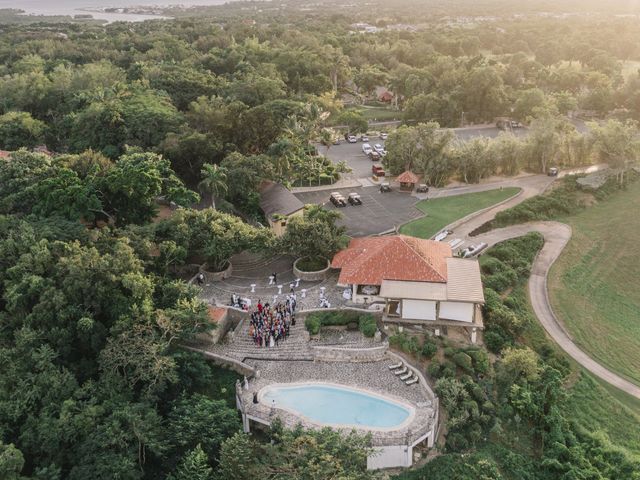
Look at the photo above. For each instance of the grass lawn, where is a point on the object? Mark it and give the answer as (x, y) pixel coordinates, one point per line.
(594, 284)
(592, 404)
(596, 408)
(440, 212)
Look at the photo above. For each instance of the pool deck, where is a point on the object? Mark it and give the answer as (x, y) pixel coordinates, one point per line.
(372, 377)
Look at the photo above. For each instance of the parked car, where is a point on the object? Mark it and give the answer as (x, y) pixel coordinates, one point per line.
(374, 156)
(354, 199)
(336, 141)
(377, 170)
(385, 187)
(364, 138)
(378, 148)
(338, 199)
(552, 172)
(366, 148)
(350, 138)
(383, 135)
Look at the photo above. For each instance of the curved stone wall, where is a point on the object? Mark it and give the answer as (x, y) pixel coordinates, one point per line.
(217, 276)
(311, 276)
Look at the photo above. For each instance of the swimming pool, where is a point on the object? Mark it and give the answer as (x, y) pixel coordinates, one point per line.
(338, 406)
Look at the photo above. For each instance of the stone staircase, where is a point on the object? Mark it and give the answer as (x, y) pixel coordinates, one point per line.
(241, 347)
(249, 262)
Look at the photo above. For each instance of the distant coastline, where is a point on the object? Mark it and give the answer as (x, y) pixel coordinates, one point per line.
(99, 10)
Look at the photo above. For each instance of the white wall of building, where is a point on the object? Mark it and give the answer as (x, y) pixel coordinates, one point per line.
(418, 309)
(389, 457)
(460, 311)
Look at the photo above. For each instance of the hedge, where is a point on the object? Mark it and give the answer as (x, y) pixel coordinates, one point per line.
(330, 318)
(367, 325)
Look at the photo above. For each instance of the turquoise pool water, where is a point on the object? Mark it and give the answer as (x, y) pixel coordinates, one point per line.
(336, 405)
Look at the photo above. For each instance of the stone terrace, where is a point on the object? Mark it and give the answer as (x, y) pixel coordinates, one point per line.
(252, 269)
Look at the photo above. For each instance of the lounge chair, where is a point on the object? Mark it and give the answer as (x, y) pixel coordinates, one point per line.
(401, 372)
(396, 366)
(407, 376)
(412, 381)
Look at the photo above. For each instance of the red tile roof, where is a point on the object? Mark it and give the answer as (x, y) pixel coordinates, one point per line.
(368, 261)
(407, 177)
(4, 154)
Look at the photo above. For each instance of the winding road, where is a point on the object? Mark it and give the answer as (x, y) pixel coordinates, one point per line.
(556, 236)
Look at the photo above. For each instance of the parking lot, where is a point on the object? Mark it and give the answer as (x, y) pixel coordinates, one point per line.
(352, 154)
(378, 213)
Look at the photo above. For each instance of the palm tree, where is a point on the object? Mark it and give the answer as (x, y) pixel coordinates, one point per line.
(214, 181)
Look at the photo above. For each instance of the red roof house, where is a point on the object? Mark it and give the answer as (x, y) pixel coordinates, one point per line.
(413, 280)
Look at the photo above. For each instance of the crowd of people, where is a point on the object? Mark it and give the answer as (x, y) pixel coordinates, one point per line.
(270, 324)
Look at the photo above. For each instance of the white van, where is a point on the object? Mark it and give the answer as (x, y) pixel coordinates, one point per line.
(366, 148)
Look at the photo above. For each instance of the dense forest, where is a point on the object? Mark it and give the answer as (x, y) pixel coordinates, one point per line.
(100, 125)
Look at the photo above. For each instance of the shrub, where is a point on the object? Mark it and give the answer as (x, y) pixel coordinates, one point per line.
(406, 343)
(463, 361)
(480, 360)
(434, 369)
(496, 339)
(502, 281)
(312, 323)
(492, 300)
(332, 318)
(429, 348)
(449, 351)
(368, 325)
(448, 369)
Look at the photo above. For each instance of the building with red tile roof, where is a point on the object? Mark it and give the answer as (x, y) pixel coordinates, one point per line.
(414, 281)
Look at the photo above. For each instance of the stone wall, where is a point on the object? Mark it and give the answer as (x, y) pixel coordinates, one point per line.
(330, 353)
(224, 361)
(229, 321)
(216, 276)
(311, 276)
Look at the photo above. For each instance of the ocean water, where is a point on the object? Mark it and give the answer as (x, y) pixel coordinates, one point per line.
(75, 7)
(330, 405)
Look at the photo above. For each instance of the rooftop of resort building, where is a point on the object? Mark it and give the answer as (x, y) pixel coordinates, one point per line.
(275, 199)
(369, 261)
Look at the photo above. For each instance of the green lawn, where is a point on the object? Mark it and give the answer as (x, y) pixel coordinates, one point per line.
(441, 212)
(594, 284)
(597, 409)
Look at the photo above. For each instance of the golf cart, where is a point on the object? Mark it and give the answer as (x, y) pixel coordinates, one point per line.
(354, 199)
(552, 172)
(385, 187)
(422, 188)
(337, 199)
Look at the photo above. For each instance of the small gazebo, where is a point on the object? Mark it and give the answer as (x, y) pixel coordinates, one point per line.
(407, 180)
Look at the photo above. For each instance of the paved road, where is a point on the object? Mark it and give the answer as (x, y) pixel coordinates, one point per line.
(556, 236)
